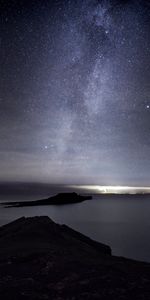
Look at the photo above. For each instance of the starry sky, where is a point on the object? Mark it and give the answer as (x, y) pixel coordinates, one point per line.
(75, 92)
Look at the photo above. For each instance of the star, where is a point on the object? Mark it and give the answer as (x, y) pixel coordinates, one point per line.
(74, 80)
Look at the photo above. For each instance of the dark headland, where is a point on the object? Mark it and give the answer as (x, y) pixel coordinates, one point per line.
(40, 259)
(59, 199)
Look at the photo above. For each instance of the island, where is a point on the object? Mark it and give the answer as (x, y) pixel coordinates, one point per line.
(59, 199)
(40, 259)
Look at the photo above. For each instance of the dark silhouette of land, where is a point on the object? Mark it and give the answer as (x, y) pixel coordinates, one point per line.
(40, 259)
(59, 199)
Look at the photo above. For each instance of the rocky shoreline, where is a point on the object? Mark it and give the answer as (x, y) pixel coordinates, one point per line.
(40, 259)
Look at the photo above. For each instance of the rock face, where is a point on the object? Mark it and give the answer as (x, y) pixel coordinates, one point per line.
(40, 259)
(59, 199)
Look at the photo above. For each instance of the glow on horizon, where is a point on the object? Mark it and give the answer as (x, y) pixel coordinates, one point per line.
(104, 189)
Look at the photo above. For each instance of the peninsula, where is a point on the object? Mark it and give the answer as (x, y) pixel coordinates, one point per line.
(59, 199)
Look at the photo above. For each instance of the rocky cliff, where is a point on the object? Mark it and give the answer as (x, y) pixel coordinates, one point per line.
(40, 259)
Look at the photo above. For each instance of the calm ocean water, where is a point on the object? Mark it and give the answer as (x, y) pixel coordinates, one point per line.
(122, 223)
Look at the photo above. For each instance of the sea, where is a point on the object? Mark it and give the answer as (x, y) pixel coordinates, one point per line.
(122, 222)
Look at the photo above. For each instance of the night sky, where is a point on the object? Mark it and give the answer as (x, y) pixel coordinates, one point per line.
(75, 92)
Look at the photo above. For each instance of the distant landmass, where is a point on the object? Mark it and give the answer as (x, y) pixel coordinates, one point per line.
(40, 259)
(59, 199)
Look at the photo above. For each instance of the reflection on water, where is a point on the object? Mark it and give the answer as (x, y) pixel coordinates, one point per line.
(123, 223)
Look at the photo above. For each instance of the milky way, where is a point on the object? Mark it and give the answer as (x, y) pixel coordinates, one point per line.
(75, 92)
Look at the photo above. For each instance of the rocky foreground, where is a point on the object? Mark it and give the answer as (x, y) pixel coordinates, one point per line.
(40, 259)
